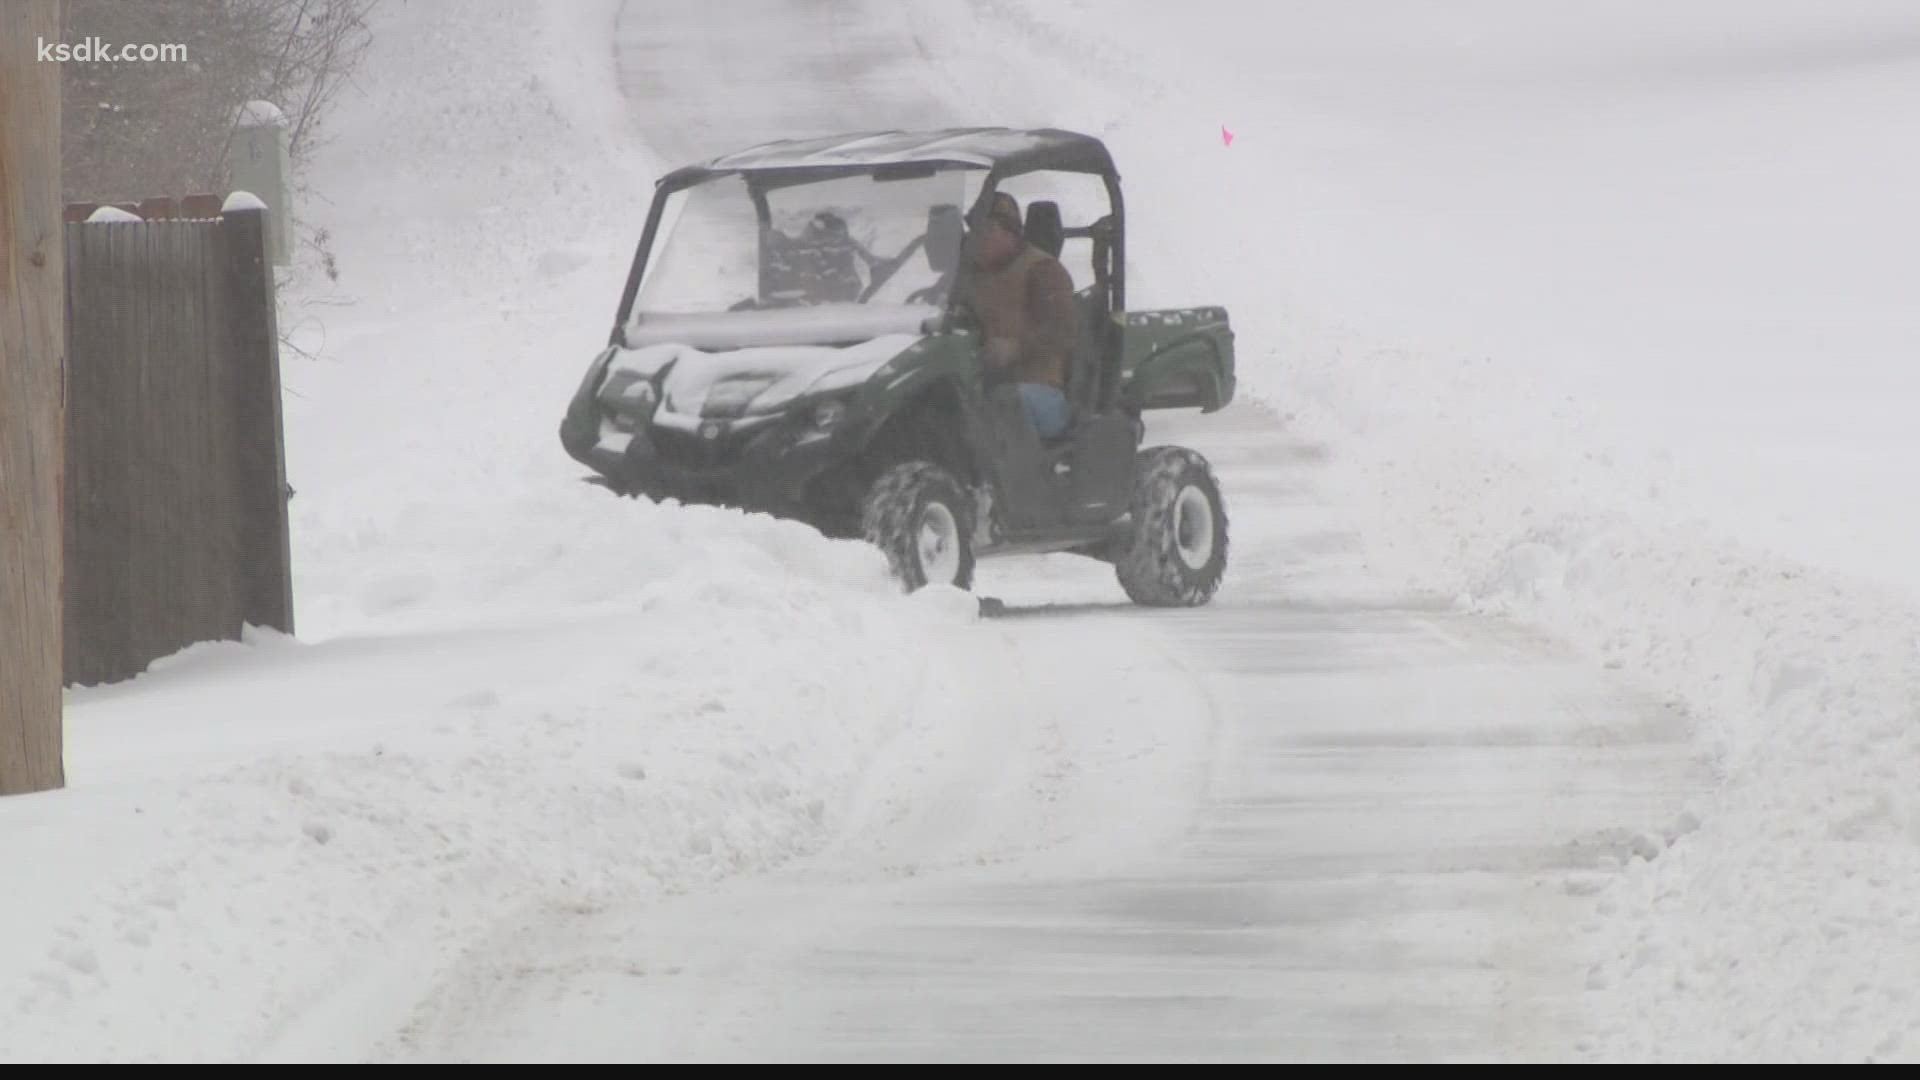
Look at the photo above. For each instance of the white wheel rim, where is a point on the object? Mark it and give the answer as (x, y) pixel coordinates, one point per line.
(939, 545)
(1193, 527)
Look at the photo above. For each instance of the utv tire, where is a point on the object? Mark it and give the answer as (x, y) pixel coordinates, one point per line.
(922, 519)
(1175, 551)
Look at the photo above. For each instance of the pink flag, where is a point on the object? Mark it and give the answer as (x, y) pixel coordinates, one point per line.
(1225, 135)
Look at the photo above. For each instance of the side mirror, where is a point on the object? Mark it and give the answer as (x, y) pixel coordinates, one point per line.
(945, 232)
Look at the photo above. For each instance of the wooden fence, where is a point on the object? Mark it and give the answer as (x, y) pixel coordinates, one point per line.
(176, 515)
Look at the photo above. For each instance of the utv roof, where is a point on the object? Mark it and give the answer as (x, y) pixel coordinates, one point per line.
(1010, 150)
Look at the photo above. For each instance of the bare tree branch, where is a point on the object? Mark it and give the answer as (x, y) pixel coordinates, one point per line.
(132, 131)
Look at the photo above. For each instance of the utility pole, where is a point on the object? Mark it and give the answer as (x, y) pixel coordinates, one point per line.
(32, 402)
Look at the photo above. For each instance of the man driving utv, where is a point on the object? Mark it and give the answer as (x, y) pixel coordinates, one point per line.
(1025, 299)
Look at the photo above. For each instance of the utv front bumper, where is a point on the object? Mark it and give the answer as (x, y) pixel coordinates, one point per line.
(759, 463)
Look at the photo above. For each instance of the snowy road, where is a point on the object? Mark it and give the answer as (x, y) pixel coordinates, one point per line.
(1388, 855)
(1384, 861)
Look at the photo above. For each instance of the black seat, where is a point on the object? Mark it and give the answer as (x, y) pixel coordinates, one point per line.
(1044, 229)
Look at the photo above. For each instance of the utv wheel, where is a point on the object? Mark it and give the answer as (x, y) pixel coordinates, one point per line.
(1176, 550)
(922, 519)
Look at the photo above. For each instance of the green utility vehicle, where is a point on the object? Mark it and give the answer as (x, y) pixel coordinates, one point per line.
(794, 338)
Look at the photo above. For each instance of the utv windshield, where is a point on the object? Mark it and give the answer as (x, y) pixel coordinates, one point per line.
(872, 241)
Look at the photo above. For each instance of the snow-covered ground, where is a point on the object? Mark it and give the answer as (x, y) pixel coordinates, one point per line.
(1602, 314)
(1606, 312)
(509, 692)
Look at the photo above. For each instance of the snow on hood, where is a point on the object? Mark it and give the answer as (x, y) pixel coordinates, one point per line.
(753, 381)
(822, 324)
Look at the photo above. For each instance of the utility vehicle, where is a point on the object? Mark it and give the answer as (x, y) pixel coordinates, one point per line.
(794, 338)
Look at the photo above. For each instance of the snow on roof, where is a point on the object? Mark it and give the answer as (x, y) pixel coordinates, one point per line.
(110, 215)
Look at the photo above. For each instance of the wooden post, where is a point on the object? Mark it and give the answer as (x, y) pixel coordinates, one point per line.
(266, 575)
(32, 402)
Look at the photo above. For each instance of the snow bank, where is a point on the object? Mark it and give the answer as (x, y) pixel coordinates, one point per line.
(1784, 928)
(1605, 318)
(268, 825)
(1775, 929)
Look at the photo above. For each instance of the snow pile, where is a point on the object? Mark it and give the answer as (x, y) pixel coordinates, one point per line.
(270, 826)
(1605, 317)
(1775, 929)
(1785, 927)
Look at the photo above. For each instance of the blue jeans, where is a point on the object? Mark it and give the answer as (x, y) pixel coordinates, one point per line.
(1046, 407)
